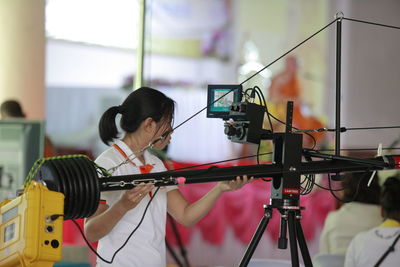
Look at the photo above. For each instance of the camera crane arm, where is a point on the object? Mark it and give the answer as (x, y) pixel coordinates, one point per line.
(333, 164)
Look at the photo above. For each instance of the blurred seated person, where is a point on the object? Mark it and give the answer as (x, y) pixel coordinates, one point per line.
(286, 86)
(12, 109)
(380, 246)
(361, 214)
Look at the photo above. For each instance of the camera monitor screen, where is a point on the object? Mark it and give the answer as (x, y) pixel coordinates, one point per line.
(220, 99)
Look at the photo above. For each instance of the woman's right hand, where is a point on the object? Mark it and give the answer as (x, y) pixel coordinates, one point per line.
(131, 198)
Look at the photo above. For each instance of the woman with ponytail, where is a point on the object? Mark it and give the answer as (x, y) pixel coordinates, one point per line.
(380, 246)
(359, 212)
(146, 116)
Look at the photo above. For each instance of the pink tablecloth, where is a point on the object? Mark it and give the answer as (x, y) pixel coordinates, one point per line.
(243, 209)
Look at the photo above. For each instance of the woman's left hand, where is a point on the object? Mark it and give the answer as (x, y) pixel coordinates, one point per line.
(232, 185)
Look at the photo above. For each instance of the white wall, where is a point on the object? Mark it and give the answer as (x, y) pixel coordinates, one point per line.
(82, 79)
(81, 65)
(370, 71)
(71, 64)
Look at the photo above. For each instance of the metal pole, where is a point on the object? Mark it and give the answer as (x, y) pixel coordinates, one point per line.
(140, 50)
(339, 16)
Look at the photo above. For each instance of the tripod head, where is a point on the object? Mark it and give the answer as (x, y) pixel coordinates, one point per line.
(243, 124)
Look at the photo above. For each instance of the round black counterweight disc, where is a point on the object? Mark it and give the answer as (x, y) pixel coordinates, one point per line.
(82, 200)
(69, 190)
(77, 179)
(49, 175)
(71, 173)
(91, 186)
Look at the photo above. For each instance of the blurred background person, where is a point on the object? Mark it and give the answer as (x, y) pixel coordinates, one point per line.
(360, 212)
(379, 246)
(286, 86)
(12, 109)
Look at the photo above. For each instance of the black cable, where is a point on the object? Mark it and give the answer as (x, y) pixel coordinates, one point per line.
(290, 50)
(295, 47)
(273, 62)
(312, 181)
(255, 91)
(201, 110)
(331, 191)
(313, 138)
(326, 26)
(222, 161)
(126, 241)
(206, 164)
(246, 95)
(264, 103)
(325, 188)
(372, 23)
(284, 123)
(344, 129)
(261, 97)
(329, 181)
(266, 110)
(361, 149)
(372, 128)
(309, 181)
(355, 194)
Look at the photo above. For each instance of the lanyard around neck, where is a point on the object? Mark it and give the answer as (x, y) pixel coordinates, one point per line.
(143, 169)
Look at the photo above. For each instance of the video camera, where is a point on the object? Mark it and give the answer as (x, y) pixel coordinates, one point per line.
(243, 119)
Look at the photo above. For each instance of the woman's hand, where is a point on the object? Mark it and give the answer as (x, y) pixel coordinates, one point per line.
(131, 198)
(234, 184)
(160, 145)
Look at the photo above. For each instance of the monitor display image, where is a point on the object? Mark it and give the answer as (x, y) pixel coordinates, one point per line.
(220, 99)
(224, 100)
(21, 144)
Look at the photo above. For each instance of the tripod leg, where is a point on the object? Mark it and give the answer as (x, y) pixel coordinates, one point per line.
(180, 243)
(256, 237)
(172, 252)
(302, 243)
(282, 240)
(292, 239)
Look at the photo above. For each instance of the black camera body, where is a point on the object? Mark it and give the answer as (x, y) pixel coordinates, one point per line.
(247, 123)
(244, 120)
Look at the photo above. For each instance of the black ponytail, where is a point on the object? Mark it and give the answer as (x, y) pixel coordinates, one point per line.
(141, 104)
(391, 198)
(107, 127)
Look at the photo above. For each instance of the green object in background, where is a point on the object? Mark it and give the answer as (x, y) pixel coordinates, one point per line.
(22, 143)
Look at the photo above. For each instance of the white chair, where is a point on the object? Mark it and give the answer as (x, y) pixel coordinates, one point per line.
(328, 260)
(270, 263)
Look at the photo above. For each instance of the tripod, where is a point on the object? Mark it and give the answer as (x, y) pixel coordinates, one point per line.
(285, 196)
(290, 219)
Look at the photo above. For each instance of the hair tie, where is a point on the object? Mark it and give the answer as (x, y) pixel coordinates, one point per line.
(120, 109)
